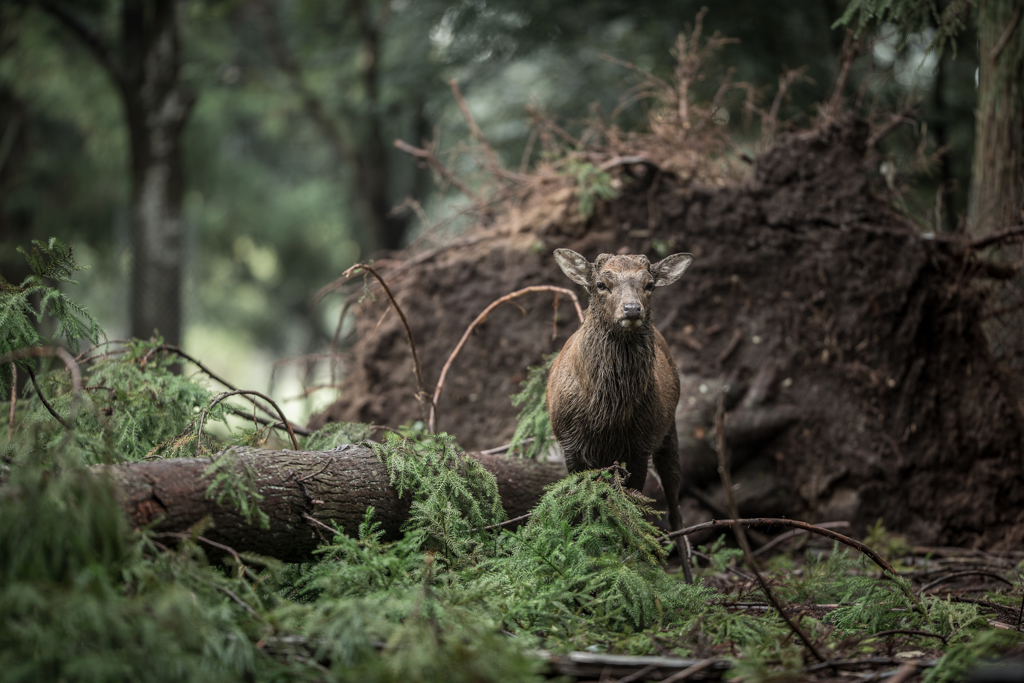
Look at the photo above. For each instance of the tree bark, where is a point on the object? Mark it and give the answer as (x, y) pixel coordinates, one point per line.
(332, 487)
(145, 63)
(996, 191)
(156, 109)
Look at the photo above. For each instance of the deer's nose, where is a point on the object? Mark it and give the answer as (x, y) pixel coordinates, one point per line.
(632, 311)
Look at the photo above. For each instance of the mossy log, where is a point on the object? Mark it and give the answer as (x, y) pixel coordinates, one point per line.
(298, 487)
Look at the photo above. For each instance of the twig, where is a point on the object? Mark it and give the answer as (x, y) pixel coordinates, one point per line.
(213, 544)
(730, 347)
(637, 675)
(241, 602)
(88, 38)
(1015, 231)
(69, 363)
(443, 170)
(779, 521)
(422, 395)
(1005, 38)
(741, 537)
(236, 392)
(796, 532)
(866, 662)
(217, 378)
(275, 424)
(493, 165)
(313, 520)
(886, 128)
(956, 575)
(904, 672)
(520, 518)
(479, 319)
(686, 673)
(904, 631)
(42, 399)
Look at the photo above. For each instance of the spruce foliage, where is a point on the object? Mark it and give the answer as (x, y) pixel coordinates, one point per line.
(533, 436)
(52, 264)
(458, 598)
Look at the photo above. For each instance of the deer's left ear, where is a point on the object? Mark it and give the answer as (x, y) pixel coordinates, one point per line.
(670, 269)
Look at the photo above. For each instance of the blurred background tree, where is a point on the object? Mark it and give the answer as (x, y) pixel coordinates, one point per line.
(283, 172)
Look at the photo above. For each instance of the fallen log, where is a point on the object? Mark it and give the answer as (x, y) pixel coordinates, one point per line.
(301, 490)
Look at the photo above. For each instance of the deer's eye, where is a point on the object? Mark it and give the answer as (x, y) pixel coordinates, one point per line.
(649, 287)
(601, 287)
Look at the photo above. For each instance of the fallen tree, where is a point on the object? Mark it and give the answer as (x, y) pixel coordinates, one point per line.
(304, 493)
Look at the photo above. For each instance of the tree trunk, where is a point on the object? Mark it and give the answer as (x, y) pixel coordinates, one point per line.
(144, 64)
(998, 167)
(332, 487)
(156, 109)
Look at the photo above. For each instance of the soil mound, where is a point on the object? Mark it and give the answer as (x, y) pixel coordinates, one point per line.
(860, 383)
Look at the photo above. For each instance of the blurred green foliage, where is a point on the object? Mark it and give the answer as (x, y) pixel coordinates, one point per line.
(272, 208)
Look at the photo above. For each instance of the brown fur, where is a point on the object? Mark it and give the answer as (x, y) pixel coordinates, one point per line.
(613, 390)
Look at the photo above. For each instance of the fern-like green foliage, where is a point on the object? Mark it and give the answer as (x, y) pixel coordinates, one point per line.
(52, 264)
(232, 479)
(588, 556)
(948, 18)
(134, 406)
(453, 496)
(334, 434)
(591, 184)
(533, 422)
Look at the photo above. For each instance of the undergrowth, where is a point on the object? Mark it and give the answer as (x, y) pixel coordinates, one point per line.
(458, 596)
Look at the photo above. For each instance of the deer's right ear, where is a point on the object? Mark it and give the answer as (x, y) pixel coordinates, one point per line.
(574, 266)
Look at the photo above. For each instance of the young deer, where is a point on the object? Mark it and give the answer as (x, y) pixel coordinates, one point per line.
(613, 390)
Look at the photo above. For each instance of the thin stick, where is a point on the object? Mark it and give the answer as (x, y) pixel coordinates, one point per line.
(69, 363)
(479, 319)
(14, 400)
(741, 537)
(226, 394)
(957, 575)
(313, 520)
(443, 170)
(1005, 38)
(493, 165)
(796, 532)
(1015, 231)
(903, 631)
(215, 377)
(795, 523)
(275, 424)
(520, 518)
(686, 673)
(422, 394)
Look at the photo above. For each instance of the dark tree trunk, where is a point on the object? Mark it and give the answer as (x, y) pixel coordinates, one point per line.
(156, 108)
(329, 486)
(145, 64)
(996, 191)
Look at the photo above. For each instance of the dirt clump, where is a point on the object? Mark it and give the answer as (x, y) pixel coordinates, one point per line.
(860, 386)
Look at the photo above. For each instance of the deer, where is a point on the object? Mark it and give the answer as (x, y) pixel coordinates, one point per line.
(612, 391)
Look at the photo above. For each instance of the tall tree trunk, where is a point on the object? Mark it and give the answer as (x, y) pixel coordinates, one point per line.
(156, 108)
(385, 231)
(145, 64)
(997, 177)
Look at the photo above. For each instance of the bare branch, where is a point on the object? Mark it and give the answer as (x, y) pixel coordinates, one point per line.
(479, 319)
(87, 37)
(741, 537)
(69, 362)
(422, 394)
(202, 418)
(441, 169)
